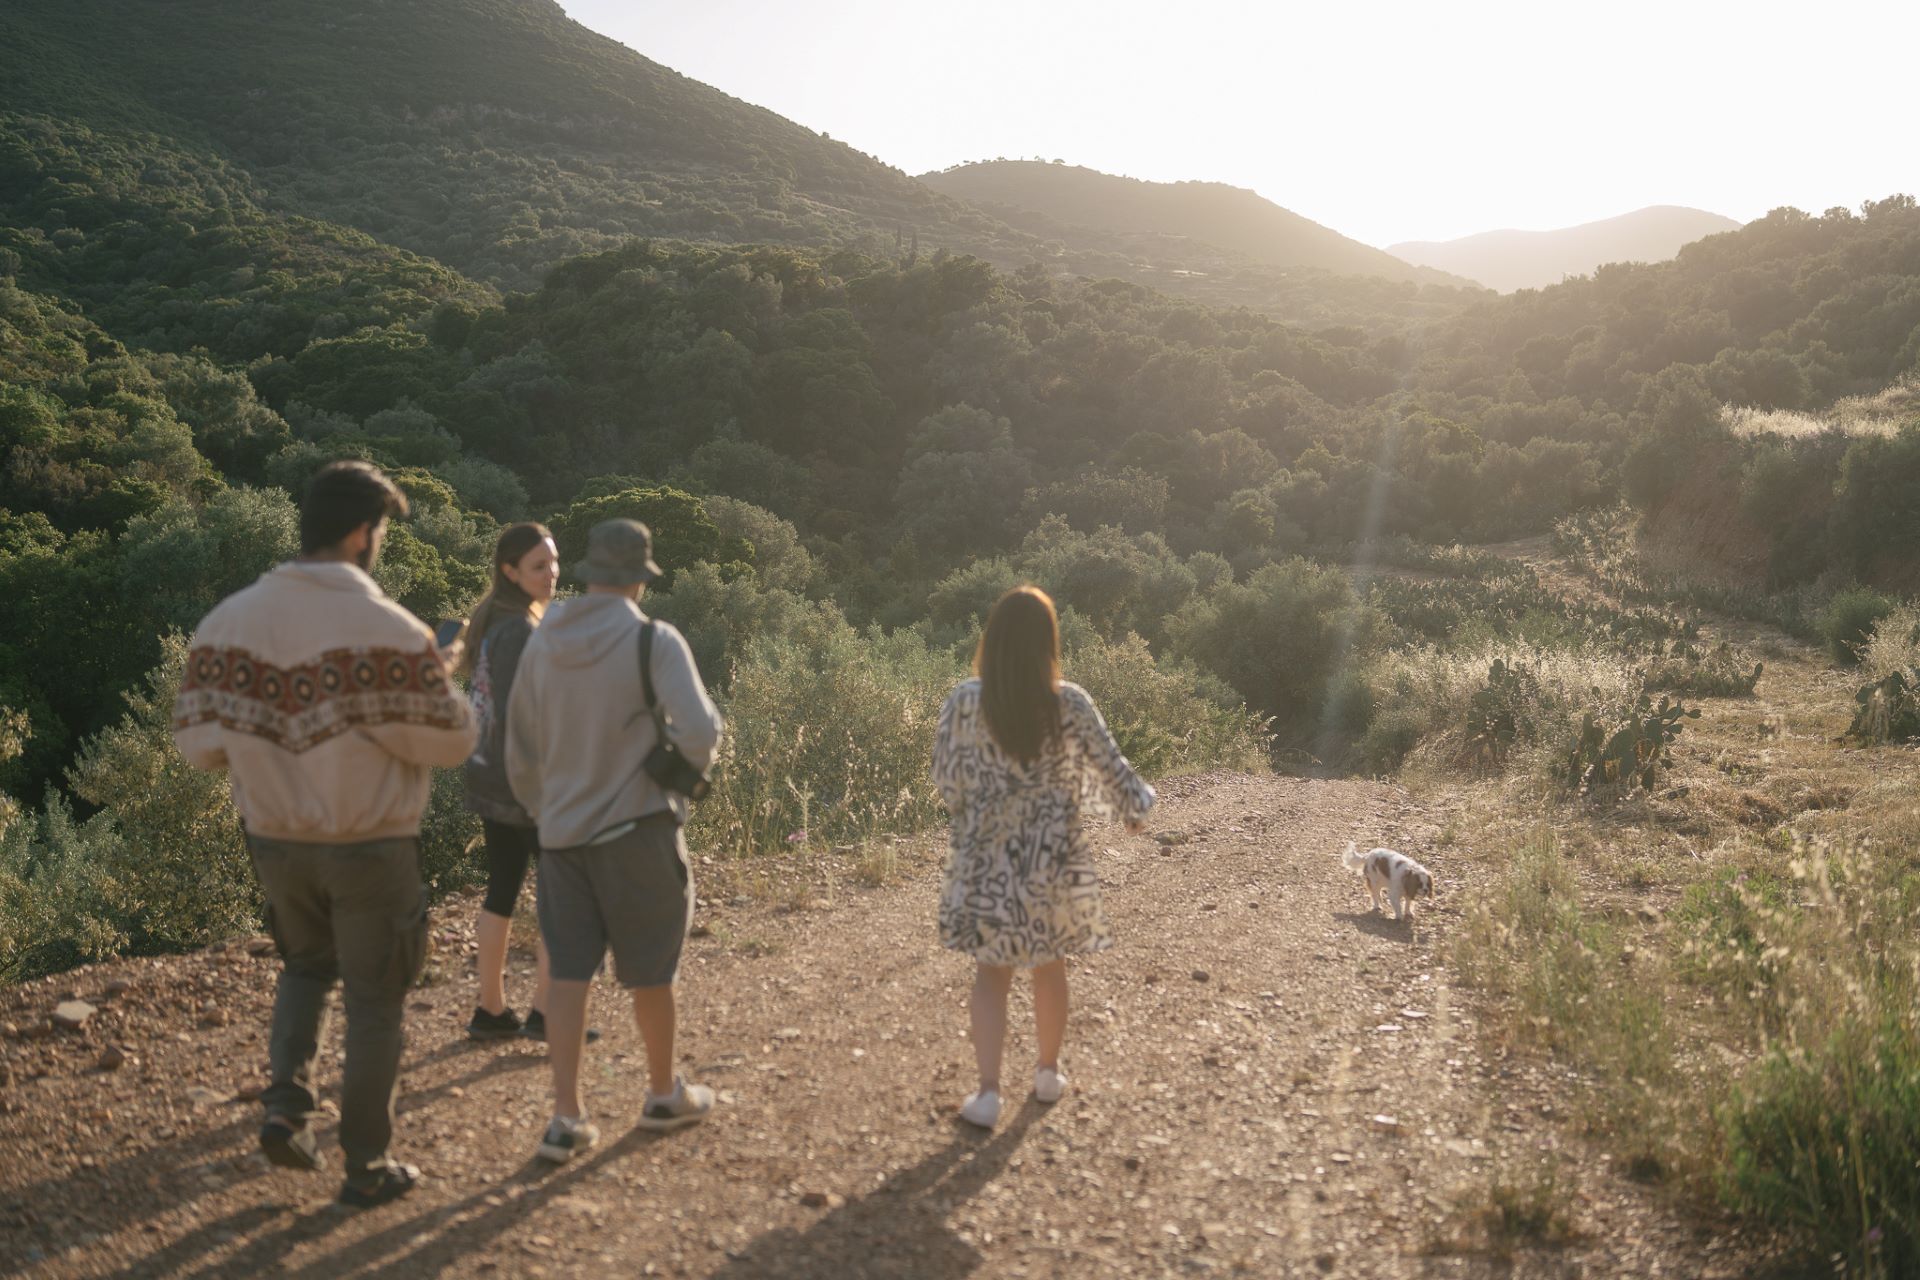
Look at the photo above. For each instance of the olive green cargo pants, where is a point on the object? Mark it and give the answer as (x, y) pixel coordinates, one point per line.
(355, 914)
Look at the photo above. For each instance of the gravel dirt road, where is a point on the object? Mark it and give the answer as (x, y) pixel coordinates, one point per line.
(1266, 1080)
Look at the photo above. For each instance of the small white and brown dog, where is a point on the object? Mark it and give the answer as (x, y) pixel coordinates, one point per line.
(1401, 877)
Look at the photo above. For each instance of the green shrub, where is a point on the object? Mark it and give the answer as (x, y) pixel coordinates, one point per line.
(829, 740)
(1390, 738)
(1166, 716)
(1724, 920)
(162, 865)
(683, 533)
(59, 905)
(1822, 1139)
(1347, 712)
(721, 616)
(450, 836)
(1279, 639)
(183, 875)
(1850, 620)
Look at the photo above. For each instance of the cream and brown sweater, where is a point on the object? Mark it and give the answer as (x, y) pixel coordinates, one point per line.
(327, 703)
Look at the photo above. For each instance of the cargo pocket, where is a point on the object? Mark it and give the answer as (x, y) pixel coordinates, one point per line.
(411, 943)
(273, 929)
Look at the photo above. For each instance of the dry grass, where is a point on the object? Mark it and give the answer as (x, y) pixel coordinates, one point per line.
(1733, 962)
(1433, 690)
(1522, 1204)
(1894, 645)
(1879, 414)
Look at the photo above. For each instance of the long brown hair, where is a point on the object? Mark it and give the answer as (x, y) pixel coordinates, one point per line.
(1018, 663)
(505, 598)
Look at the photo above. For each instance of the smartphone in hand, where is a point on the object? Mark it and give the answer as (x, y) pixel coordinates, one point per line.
(448, 631)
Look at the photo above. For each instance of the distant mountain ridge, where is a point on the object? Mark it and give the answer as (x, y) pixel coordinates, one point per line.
(500, 137)
(1052, 199)
(1509, 260)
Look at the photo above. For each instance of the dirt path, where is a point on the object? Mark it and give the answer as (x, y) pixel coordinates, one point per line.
(1228, 1060)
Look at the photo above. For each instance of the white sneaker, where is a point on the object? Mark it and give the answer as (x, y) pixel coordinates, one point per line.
(567, 1137)
(687, 1104)
(981, 1108)
(1048, 1084)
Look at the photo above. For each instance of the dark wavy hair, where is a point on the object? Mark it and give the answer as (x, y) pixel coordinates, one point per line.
(1018, 663)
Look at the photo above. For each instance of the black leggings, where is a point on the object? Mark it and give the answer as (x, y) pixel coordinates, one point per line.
(510, 850)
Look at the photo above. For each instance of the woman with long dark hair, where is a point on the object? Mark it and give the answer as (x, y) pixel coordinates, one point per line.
(1021, 757)
(526, 571)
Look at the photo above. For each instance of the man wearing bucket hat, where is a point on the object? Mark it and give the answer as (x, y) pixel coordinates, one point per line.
(599, 686)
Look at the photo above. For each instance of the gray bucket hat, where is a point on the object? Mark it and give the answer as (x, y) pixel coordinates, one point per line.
(619, 554)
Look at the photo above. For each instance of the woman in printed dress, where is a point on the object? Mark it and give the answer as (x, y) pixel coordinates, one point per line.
(1021, 757)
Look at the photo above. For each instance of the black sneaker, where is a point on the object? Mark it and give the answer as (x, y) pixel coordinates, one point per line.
(535, 1028)
(290, 1145)
(494, 1026)
(381, 1186)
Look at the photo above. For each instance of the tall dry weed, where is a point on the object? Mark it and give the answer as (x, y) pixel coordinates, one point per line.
(1821, 1134)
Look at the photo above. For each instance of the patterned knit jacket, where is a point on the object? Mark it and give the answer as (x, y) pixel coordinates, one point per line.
(327, 703)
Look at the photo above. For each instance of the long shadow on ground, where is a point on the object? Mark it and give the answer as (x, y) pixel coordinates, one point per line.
(899, 1229)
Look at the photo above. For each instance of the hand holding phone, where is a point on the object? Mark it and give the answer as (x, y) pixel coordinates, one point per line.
(447, 635)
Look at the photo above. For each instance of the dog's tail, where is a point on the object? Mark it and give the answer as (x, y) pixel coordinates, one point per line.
(1351, 859)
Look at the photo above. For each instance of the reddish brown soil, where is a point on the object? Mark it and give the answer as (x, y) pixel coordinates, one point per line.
(1227, 1060)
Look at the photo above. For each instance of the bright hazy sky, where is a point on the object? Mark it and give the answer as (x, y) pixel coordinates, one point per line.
(1384, 121)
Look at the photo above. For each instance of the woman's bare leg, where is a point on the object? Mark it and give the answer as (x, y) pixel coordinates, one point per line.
(987, 1007)
(490, 932)
(1050, 1010)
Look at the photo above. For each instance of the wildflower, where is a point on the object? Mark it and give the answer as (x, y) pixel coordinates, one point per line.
(797, 837)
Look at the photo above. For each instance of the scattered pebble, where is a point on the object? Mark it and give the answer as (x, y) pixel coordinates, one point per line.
(73, 1014)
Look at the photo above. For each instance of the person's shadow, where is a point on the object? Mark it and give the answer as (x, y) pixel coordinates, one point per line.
(897, 1231)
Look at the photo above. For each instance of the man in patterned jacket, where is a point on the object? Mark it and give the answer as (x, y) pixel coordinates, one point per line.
(328, 705)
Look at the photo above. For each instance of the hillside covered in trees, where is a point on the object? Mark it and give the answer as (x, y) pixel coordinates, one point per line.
(1057, 197)
(499, 137)
(211, 284)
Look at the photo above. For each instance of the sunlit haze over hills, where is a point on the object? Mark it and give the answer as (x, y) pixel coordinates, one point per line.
(1386, 122)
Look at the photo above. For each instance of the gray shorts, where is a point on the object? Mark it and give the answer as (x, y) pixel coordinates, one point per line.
(632, 893)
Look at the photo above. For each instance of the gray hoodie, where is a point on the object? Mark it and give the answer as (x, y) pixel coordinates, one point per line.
(578, 728)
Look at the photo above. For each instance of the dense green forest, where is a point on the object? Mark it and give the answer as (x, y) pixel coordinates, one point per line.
(924, 430)
(210, 284)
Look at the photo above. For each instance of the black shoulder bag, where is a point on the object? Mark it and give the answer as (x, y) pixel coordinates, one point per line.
(665, 764)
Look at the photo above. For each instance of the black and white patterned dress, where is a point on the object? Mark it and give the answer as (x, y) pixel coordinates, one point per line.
(1021, 888)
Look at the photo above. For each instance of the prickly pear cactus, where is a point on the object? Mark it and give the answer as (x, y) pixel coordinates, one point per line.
(1630, 756)
(1498, 711)
(1889, 709)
